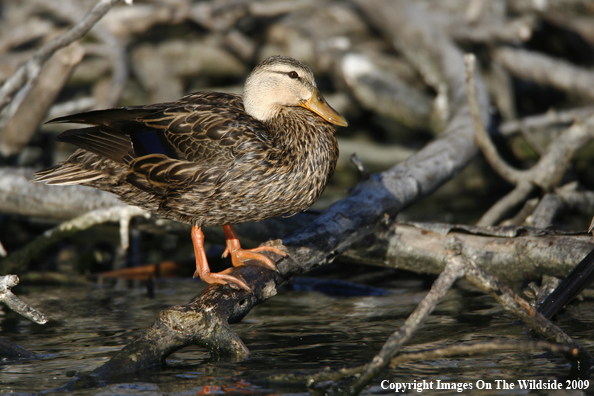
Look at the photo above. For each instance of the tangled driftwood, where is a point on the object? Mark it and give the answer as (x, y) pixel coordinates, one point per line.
(425, 87)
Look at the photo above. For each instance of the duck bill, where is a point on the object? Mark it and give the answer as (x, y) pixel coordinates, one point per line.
(318, 105)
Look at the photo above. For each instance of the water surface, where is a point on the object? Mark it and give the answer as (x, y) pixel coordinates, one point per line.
(296, 332)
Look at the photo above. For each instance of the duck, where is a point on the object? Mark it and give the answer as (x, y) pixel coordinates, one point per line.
(213, 158)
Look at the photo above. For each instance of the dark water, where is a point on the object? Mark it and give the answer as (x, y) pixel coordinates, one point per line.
(293, 333)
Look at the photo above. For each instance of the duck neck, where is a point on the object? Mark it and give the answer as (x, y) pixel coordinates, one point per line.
(294, 124)
(305, 140)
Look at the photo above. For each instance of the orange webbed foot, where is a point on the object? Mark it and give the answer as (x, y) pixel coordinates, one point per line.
(223, 278)
(203, 270)
(240, 256)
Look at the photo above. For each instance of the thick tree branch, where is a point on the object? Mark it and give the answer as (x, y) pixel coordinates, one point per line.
(543, 69)
(514, 254)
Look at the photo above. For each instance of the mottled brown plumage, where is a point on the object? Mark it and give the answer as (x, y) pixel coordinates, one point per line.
(208, 160)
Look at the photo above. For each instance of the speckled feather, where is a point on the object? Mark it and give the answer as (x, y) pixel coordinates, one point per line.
(215, 164)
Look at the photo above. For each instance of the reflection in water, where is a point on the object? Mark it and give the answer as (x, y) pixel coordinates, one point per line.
(296, 332)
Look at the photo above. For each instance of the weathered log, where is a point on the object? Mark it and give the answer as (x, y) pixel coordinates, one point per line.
(514, 254)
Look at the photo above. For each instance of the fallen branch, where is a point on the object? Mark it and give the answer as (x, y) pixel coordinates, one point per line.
(515, 254)
(543, 121)
(545, 70)
(114, 48)
(30, 112)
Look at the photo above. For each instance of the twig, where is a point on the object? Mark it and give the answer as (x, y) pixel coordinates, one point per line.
(542, 121)
(482, 138)
(513, 198)
(14, 303)
(363, 171)
(454, 270)
(29, 71)
(522, 215)
(374, 154)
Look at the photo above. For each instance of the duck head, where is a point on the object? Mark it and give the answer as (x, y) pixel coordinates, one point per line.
(280, 81)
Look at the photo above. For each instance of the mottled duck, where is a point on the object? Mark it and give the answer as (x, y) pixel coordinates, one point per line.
(213, 158)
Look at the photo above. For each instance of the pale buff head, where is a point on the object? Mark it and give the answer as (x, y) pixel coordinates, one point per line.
(280, 81)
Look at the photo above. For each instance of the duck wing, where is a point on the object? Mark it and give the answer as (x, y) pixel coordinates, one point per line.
(165, 144)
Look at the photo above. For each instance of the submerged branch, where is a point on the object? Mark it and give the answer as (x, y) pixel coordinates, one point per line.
(454, 270)
(457, 267)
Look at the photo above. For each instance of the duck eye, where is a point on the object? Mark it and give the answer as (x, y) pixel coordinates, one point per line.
(293, 74)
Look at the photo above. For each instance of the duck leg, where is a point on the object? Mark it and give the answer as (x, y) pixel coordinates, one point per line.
(203, 270)
(239, 255)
